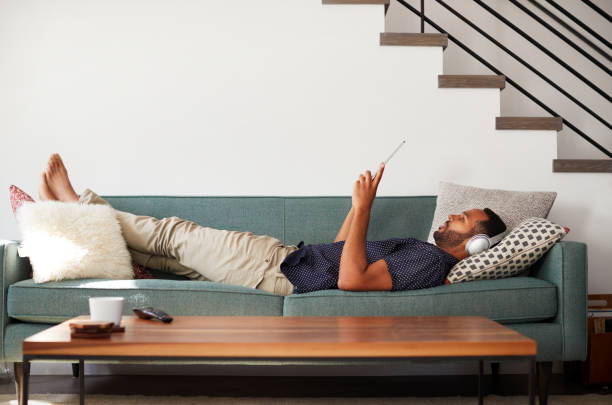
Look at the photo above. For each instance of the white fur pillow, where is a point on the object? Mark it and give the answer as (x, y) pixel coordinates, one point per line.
(72, 241)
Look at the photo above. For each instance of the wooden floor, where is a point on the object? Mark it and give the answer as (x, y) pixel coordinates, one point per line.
(293, 386)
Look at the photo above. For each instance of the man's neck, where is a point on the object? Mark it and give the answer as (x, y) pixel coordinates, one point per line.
(458, 252)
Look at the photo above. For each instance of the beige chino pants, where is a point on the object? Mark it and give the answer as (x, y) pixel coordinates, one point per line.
(182, 247)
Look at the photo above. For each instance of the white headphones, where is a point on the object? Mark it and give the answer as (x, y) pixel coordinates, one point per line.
(481, 242)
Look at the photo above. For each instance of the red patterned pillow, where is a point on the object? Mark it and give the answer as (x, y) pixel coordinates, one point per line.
(140, 272)
(18, 197)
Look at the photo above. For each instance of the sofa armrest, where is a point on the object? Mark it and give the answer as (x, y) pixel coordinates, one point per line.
(13, 268)
(565, 265)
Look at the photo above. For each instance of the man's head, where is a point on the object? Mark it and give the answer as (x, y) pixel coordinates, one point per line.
(453, 235)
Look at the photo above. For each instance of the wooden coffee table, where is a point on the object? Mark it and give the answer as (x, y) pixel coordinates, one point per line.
(278, 337)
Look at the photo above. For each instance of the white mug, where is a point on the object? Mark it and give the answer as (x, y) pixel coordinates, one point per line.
(106, 309)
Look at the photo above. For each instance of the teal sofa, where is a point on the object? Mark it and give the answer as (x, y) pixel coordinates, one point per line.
(548, 304)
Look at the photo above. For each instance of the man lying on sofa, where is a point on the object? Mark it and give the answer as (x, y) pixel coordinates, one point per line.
(263, 262)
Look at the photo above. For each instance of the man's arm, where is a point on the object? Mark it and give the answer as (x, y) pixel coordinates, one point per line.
(355, 274)
(346, 226)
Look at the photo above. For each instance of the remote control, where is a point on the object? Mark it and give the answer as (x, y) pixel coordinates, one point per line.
(150, 312)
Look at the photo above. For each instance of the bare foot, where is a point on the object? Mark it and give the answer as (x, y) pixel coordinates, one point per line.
(44, 192)
(57, 179)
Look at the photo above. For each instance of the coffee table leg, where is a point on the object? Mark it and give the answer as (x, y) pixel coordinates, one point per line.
(82, 382)
(531, 382)
(480, 368)
(26, 378)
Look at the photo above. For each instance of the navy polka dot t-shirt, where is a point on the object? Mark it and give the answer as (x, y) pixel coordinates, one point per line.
(412, 263)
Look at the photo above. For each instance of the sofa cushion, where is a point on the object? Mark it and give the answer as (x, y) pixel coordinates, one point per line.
(58, 301)
(318, 219)
(260, 215)
(511, 300)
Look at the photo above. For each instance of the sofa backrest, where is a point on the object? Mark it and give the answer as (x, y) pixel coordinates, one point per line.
(290, 219)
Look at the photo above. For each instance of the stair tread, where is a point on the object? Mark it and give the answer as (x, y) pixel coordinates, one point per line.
(544, 123)
(582, 165)
(413, 39)
(356, 2)
(472, 81)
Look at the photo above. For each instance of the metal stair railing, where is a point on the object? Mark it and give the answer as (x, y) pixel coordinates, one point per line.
(424, 19)
(546, 51)
(600, 11)
(572, 30)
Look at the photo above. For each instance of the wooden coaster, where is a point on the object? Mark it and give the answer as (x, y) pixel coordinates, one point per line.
(93, 329)
(91, 326)
(90, 335)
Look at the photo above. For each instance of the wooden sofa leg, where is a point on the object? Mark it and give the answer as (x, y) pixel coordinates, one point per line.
(75, 370)
(544, 371)
(20, 369)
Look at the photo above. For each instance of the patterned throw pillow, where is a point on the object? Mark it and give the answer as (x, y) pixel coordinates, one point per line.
(521, 248)
(17, 197)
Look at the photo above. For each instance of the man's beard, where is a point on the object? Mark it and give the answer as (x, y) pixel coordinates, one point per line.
(450, 239)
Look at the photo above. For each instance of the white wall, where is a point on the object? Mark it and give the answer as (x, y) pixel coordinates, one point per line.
(204, 98)
(243, 98)
(513, 102)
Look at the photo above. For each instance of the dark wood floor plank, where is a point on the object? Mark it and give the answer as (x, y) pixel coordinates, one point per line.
(293, 386)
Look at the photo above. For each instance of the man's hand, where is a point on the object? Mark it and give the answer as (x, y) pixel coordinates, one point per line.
(365, 187)
(355, 274)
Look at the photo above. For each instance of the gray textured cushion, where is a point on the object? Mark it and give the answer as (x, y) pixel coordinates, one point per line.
(513, 207)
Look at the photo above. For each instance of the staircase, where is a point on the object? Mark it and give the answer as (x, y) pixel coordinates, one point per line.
(488, 81)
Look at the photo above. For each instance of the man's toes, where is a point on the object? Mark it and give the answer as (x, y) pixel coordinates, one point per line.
(48, 176)
(53, 165)
(48, 181)
(60, 162)
(43, 189)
